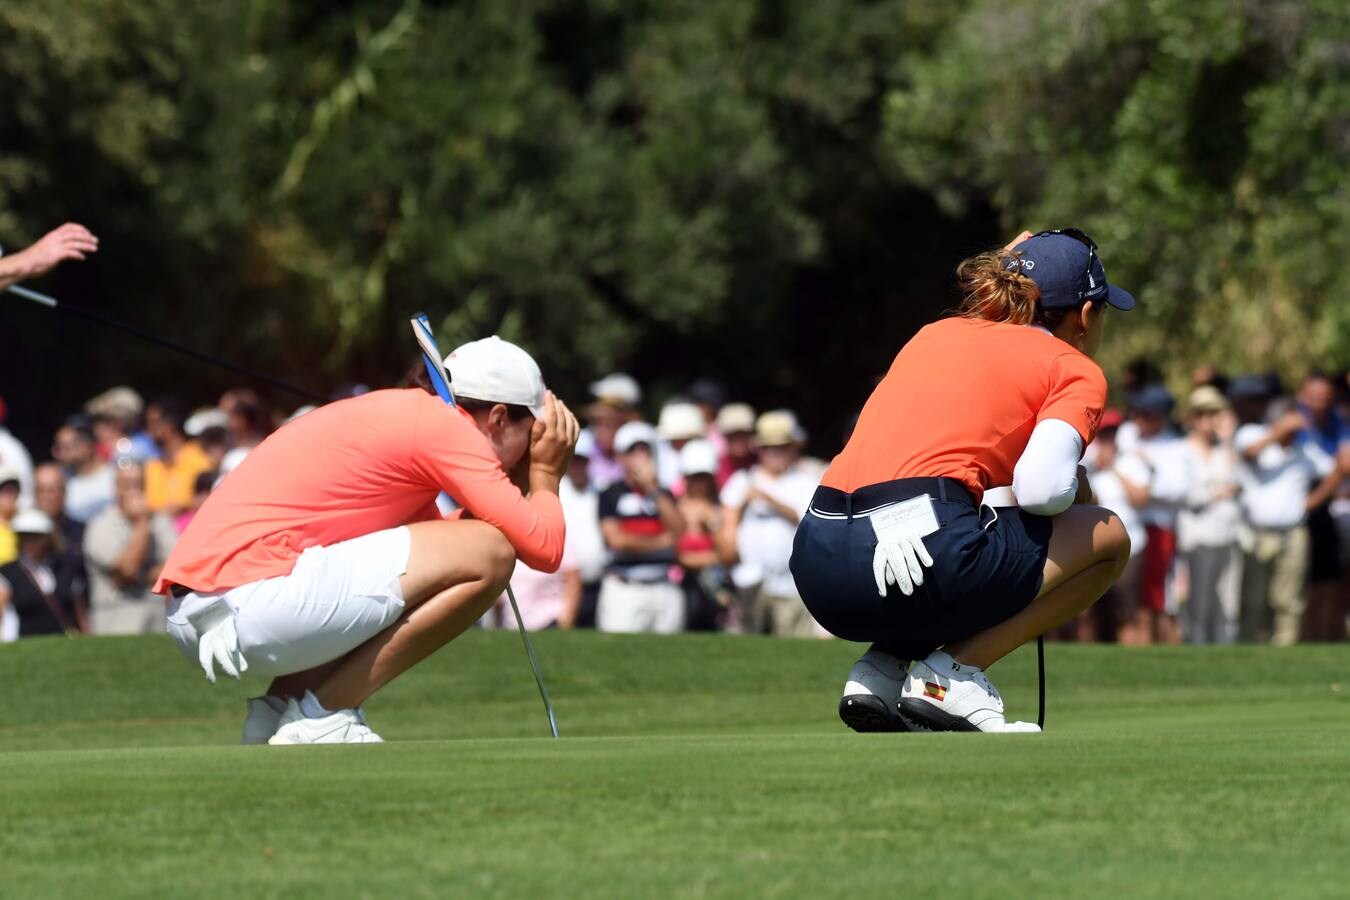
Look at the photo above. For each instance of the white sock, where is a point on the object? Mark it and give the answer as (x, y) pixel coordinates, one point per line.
(312, 708)
(886, 664)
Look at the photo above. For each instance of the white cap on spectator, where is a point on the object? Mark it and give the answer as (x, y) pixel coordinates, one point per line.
(9, 473)
(496, 371)
(120, 402)
(31, 521)
(698, 457)
(585, 444)
(736, 418)
(617, 389)
(681, 421)
(634, 433)
(778, 428)
(204, 418)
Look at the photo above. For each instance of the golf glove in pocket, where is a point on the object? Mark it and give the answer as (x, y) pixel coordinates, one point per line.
(900, 560)
(218, 641)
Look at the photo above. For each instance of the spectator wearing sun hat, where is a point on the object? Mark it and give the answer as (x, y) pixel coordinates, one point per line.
(736, 424)
(761, 508)
(616, 400)
(1207, 526)
(1120, 484)
(116, 415)
(679, 423)
(641, 524)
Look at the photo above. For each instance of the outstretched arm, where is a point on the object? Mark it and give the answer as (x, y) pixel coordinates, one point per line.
(70, 241)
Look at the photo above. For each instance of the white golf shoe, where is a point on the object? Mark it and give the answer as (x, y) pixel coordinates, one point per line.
(346, 726)
(872, 694)
(264, 715)
(941, 694)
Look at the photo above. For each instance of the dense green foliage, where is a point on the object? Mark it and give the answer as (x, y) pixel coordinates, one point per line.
(694, 765)
(774, 191)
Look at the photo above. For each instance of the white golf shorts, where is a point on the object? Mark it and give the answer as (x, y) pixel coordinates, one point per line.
(335, 599)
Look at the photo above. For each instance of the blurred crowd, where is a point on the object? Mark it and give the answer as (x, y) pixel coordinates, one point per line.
(1236, 499)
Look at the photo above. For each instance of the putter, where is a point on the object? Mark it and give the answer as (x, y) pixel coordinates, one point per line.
(440, 380)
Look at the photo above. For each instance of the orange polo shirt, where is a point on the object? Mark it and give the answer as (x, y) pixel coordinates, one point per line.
(351, 468)
(961, 400)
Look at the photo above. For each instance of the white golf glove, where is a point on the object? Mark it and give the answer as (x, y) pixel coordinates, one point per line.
(900, 560)
(218, 641)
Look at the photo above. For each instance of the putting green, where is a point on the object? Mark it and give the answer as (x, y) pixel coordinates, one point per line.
(689, 766)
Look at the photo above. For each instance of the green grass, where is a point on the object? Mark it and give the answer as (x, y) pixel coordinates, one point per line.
(690, 766)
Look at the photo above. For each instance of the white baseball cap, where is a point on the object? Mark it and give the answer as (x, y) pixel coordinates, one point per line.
(634, 433)
(681, 421)
(31, 521)
(698, 457)
(496, 371)
(9, 473)
(736, 417)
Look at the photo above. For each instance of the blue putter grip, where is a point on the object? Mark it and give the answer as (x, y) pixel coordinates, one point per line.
(431, 356)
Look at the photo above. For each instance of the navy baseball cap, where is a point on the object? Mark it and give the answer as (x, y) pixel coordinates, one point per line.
(1065, 266)
(1152, 398)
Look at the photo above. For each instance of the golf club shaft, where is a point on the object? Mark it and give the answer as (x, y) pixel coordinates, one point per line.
(534, 663)
(52, 303)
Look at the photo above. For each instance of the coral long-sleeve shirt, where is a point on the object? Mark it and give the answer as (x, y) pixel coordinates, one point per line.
(351, 468)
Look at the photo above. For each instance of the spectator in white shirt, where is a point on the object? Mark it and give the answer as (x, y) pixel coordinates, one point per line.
(125, 547)
(585, 544)
(89, 480)
(1160, 449)
(1119, 483)
(1281, 481)
(762, 506)
(1207, 528)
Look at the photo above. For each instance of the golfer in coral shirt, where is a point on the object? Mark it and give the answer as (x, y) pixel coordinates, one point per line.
(905, 545)
(323, 563)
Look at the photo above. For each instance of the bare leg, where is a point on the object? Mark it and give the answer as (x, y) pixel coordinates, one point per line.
(1088, 550)
(456, 570)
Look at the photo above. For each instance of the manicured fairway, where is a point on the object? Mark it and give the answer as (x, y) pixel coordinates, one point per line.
(689, 766)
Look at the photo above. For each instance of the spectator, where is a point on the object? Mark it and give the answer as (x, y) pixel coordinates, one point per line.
(1207, 527)
(115, 416)
(585, 545)
(1160, 449)
(215, 443)
(89, 479)
(1121, 485)
(125, 546)
(47, 599)
(68, 533)
(9, 544)
(616, 400)
(710, 395)
(14, 458)
(546, 600)
(762, 506)
(736, 424)
(1278, 476)
(704, 550)
(9, 508)
(680, 422)
(170, 481)
(641, 525)
(1326, 438)
(249, 423)
(206, 482)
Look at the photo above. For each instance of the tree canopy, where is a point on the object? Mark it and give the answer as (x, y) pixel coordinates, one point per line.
(771, 191)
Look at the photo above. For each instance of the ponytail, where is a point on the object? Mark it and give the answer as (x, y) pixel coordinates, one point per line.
(995, 289)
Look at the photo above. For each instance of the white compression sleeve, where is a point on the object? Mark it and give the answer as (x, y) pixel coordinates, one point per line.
(1045, 479)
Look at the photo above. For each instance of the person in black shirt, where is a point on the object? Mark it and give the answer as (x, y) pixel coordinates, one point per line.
(43, 593)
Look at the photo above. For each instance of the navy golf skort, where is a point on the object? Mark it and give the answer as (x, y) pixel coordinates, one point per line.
(987, 567)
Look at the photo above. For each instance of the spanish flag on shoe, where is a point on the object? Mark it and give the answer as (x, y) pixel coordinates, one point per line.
(934, 690)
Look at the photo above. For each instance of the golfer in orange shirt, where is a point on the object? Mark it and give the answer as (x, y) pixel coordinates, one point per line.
(323, 562)
(946, 533)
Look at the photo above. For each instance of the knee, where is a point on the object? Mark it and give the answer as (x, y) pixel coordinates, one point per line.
(499, 558)
(1116, 543)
